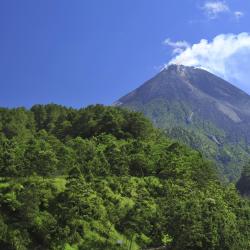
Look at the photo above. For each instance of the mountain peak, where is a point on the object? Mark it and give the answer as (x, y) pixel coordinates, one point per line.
(176, 67)
(194, 99)
(179, 68)
(207, 95)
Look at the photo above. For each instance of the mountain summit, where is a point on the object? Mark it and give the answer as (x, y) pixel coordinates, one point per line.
(200, 92)
(214, 113)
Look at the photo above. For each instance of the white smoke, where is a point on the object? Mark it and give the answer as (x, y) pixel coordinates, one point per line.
(227, 55)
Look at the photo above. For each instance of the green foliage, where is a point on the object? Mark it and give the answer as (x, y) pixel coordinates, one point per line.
(243, 184)
(104, 178)
(230, 152)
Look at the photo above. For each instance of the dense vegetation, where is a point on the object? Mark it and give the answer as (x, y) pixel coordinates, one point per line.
(243, 184)
(104, 178)
(230, 153)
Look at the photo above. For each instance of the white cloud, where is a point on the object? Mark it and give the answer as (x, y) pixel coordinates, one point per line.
(238, 14)
(178, 46)
(214, 8)
(227, 55)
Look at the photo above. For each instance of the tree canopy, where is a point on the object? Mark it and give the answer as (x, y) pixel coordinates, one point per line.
(105, 178)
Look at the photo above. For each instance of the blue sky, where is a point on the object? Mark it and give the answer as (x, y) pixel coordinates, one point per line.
(84, 52)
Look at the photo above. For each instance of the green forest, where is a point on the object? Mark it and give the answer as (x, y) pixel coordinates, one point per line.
(105, 178)
(228, 148)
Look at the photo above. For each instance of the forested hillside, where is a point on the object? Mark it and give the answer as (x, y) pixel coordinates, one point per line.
(199, 109)
(105, 178)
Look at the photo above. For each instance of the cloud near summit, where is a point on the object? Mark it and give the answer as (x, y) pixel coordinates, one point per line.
(227, 55)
